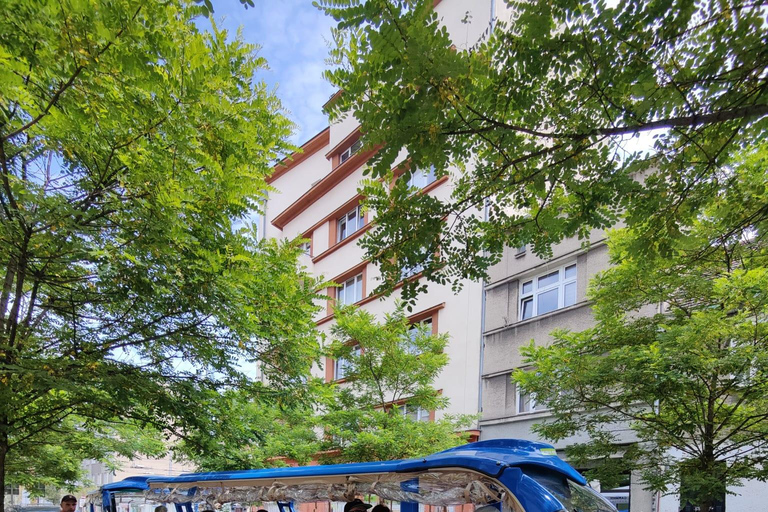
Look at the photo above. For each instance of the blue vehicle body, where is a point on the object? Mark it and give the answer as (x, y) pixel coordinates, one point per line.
(524, 469)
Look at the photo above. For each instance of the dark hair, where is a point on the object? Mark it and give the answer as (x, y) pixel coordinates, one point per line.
(380, 508)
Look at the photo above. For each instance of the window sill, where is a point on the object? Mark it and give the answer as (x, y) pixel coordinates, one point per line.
(432, 186)
(521, 416)
(339, 245)
(521, 323)
(370, 298)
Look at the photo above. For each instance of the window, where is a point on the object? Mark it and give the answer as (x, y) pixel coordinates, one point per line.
(420, 178)
(350, 223)
(521, 251)
(411, 347)
(414, 413)
(306, 247)
(351, 150)
(414, 269)
(341, 366)
(526, 402)
(351, 290)
(548, 292)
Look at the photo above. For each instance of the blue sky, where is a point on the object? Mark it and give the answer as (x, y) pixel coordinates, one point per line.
(293, 36)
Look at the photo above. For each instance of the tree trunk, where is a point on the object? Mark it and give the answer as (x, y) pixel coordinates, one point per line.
(3, 453)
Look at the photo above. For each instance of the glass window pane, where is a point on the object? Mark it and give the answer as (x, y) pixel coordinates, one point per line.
(527, 287)
(569, 294)
(549, 279)
(359, 288)
(527, 308)
(570, 271)
(546, 302)
(524, 405)
(342, 229)
(430, 173)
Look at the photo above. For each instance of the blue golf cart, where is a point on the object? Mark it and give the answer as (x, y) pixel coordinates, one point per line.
(508, 475)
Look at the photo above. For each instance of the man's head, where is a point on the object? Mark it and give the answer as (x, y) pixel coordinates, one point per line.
(356, 505)
(68, 503)
(161, 508)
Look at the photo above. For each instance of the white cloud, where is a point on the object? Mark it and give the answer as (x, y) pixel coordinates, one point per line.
(292, 35)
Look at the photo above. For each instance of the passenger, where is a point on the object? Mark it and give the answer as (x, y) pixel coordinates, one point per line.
(68, 503)
(380, 508)
(356, 505)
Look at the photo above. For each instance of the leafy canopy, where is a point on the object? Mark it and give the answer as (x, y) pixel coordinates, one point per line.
(133, 150)
(690, 380)
(390, 370)
(535, 121)
(369, 415)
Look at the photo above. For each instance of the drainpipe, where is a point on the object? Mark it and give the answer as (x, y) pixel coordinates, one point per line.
(482, 327)
(482, 281)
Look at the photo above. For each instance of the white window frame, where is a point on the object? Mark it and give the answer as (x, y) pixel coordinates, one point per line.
(417, 268)
(341, 365)
(533, 406)
(413, 329)
(560, 285)
(421, 413)
(344, 222)
(349, 286)
(306, 247)
(421, 178)
(351, 150)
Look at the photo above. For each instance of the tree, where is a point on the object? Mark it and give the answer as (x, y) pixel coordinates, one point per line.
(533, 121)
(133, 150)
(255, 434)
(371, 415)
(691, 379)
(390, 368)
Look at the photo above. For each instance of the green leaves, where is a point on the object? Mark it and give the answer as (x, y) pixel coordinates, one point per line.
(535, 122)
(677, 354)
(134, 150)
(380, 411)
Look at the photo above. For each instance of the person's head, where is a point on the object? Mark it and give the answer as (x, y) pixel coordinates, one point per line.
(161, 508)
(356, 505)
(380, 508)
(68, 503)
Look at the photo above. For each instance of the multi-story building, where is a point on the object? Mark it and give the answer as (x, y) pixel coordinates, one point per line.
(526, 298)
(317, 198)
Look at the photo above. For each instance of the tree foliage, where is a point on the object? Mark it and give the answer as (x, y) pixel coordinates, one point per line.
(360, 418)
(534, 120)
(251, 433)
(690, 379)
(133, 150)
(390, 370)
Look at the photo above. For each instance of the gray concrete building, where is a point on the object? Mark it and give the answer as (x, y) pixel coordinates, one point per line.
(526, 298)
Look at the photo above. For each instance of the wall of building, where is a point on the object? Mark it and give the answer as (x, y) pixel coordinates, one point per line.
(459, 314)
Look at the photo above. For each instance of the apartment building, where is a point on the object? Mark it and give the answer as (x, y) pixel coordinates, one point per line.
(317, 198)
(526, 298)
